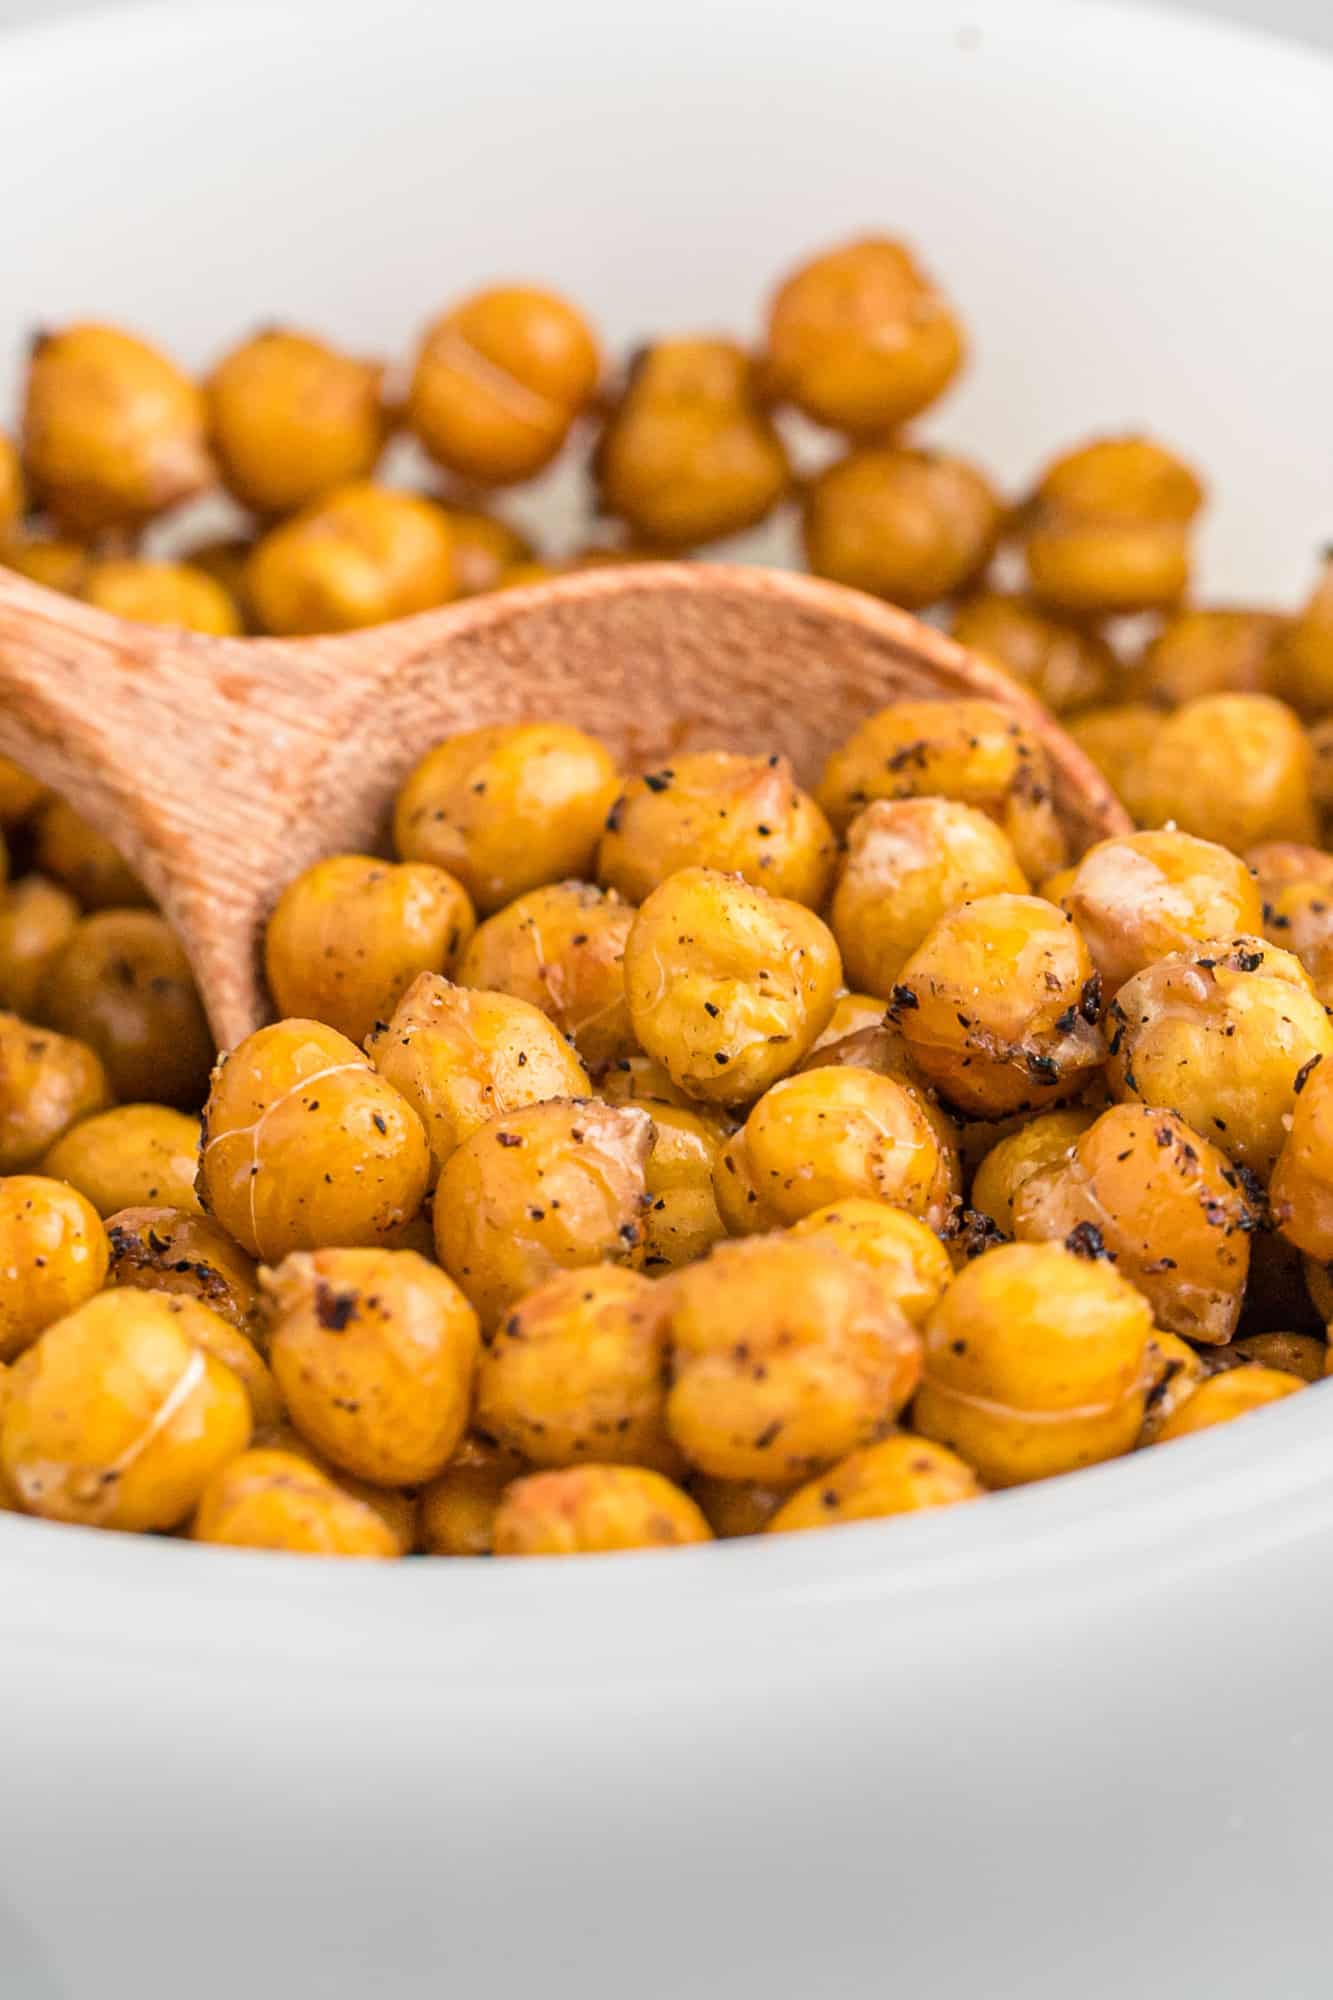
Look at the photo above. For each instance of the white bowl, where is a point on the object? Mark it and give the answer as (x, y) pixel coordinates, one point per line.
(1074, 1741)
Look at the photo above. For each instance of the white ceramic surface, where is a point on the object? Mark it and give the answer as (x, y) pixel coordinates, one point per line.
(1073, 1742)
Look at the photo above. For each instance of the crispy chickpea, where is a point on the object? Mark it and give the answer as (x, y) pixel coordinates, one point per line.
(350, 934)
(508, 808)
(13, 500)
(1036, 1363)
(1166, 1206)
(113, 432)
(291, 419)
(131, 1155)
(742, 1208)
(899, 1248)
(235, 1350)
(498, 382)
(834, 1133)
(713, 809)
(551, 1187)
(269, 1499)
(971, 751)
(306, 1147)
(883, 1048)
(1231, 1394)
(162, 593)
(900, 1475)
(575, 1372)
(374, 1352)
(1304, 664)
(1296, 885)
(1234, 768)
(999, 1007)
(37, 917)
(117, 1418)
(82, 860)
(20, 793)
(562, 949)
(906, 524)
(53, 1257)
(1293, 1353)
(55, 564)
(736, 1507)
(1037, 1144)
(1064, 664)
(461, 1056)
(1139, 896)
(47, 1081)
(1219, 650)
(1220, 1034)
(727, 986)
(682, 1220)
(860, 339)
(1302, 1189)
(161, 1248)
(689, 455)
(457, 1514)
(851, 1013)
(910, 862)
(786, 1354)
(122, 982)
(1116, 740)
(1108, 528)
(1174, 1373)
(485, 549)
(637, 1079)
(361, 556)
(595, 1510)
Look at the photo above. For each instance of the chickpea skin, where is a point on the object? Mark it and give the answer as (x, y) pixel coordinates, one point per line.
(1225, 1396)
(1233, 768)
(900, 1475)
(913, 526)
(1302, 1189)
(291, 419)
(595, 1510)
(163, 593)
(82, 860)
(37, 917)
(1108, 528)
(129, 1155)
(159, 1248)
(562, 949)
(269, 1499)
(835, 1133)
(122, 982)
(361, 556)
(900, 1249)
(47, 1083)
(1139, 896)
(1064, 664)
(53, 1257)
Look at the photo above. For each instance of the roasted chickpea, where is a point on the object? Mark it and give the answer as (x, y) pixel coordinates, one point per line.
(1220, 1034)
(971, 751)
(1108, 528)
(851, 1013)
(350, 934)
(562, 949)
(860, 339)
(1302, 1190)
(277, 1500)
(117, 1418)
(1222, 1397)
(688, 455)
(161, 1248)
(1234, 768)
(727, 986)
(1116, 740)
(13, 500)
(307, 1148)
(8, 1497)
(520, 575)
(1304, 665)
(1293, 1353)
(1139, 896)
(162, 593)
(552, 1187)
(82, 859)
(1038, 1143)
(900, 1475)
(742, 1208)
(235, 1350)
(1221, 650)
(902, 1252)
(55, 564)
(486, 549)
(682, 1220)
(37, 917)
(909, 863)
(47, 1081)
(909, 525)
(361, 556)
(113, 432)
(1064, 664)
(1036, 1363)
(883, 1048)
(834, 1133)
(1320, 738)
(1296, 885)
(593, 1510)
(53, 1257)
(131, 1155)
(736, 1507)
(225, 558)
(122, 982)
(461, 1056)
(291, 419)
(457, 1513)
(1174, 1372)
(20, 793)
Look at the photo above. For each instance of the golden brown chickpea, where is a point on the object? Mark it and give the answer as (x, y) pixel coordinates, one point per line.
(1302, 1190)
(1163, 1204)
(53, 1257)
(47, 1081)
(117, 1418)
(1065, 665)
(689, 455)
(460, 1057)
(1320, 737)
(56, 565)
(1037, 1144)
(234, 1349)
(1175, 1372)
(498, 382)
(113, 432)
(1116, 740)
(1222, 1397)
(396, 1508)
(305, 1147)
(682, 1220)
(122, 982)
(900, 1475)
(743, 1210)
(508, 808)
(1036, 1363)
(851, 1013)
(910, 862)
(1108, 528)
(552, 1187)
(637, 1079)
(13, 500)
(291, 419)
(1296, 885)
(883, 1048)
(276, 1500)
(131, 1155)
(1138, 896)
(350, 934)
(20, 794)
(834, 1133)
(1220, 1034)
(361, 556)
(224, 558)
(82, 860)
(1304, 664)
(9, 1503)
(909, 525)
(374, 1352)
(1222, 650)
(713, 809)
(162, 593)
(562, 949)
(902, 1252)
(1234, 768)
(971, 751)
(786, 1354)
(486, 549)
(1293, 1353)
(575, 1372)
(593, 1510)
(727, 986)
(37, 917)
(860, 339)
(162, 1248)
(519, 575)
(457, 1512)
(999, 1007)
(736, 1507)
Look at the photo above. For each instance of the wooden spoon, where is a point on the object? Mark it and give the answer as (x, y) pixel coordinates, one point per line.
(222, 767)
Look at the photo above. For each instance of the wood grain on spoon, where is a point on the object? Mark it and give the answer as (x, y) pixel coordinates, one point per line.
(222, 767)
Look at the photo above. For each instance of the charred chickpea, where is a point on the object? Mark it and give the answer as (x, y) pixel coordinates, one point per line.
(360, 556)
(130, 1155)
(899, 1248)
(486, 549)
(1038, 1143)
(1108, 528)
(53, 1257)
(47, 1082)
(457, 1510)
(1222, 1397)
(291, 419)
(1116, 740)
(1067, 666)
(1139, 896)
(1221, 1034)
(1301, 1193)
(562, 949)
(156, 1247)
(688, 454)
(37, 917)
(163, 593)
(82, 860)
(835, 1133)
(1174, 1373)
(1036, 1363)
(267, 1499)
(913, 526)
(1300, 1354)
(1214, 650)
(900, 1475)
(13, 500)
(593, 1510)
(350, 934)
(45, 559)
(1304, 664)
(20, 793)
(1296, 885)
(122, 982)
(1234, 768)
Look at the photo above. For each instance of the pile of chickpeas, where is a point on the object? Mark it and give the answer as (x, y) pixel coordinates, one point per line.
(643, 1157)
